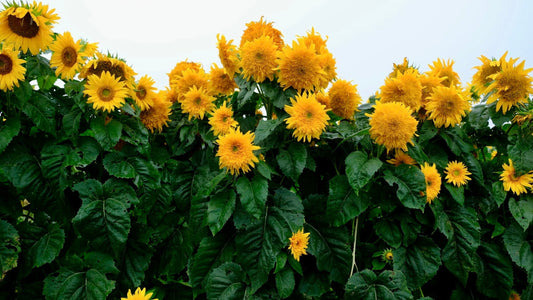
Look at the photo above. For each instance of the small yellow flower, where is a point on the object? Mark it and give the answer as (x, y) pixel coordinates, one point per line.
(344, 99)
(517, 184)
(387, 255)
(236, 151)
(433, 181)
(298, 244)
(221, 120)
(443, 69)
(139, 295)
(457, 173)
(401, 157)
(308, 117)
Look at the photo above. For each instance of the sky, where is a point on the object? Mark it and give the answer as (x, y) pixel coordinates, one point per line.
(365, 37)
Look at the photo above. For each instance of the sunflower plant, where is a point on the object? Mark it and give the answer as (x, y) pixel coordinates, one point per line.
(266, 177)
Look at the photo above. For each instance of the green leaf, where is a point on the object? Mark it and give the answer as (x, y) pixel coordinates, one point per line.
(292, 161)
(388, 285)
(314, 284)
(24, 91)
(360, 169)
(519, 248)
(474, 167)
(253, 194)
(89, 285)
(226, 282)
(389, 231)
(498, 193)
(102, 262)
(495, 273)
(40, 109)
(147, 171)
(8, 131)
(522, 155)
(419, 262)
(285, 282)
(89, 190)
(47, 248)
(264, 169)
(264, 129)
(411, 182)
(177, 251)
(71, 122)
(219, 210)
(330, 248)
(136, 261)
(427, 132)
(108, 134)
(479, 117)
(46, 82)
(457, 193)
(20, 167)
(343, 205)
(454, 139)
(9, 247)
(522, 211)
(117, 164)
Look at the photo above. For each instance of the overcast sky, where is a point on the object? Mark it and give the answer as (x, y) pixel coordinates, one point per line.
(365, 37)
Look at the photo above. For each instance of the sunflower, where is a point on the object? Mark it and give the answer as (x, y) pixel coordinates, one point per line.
(220, 83)
(401, 157)
(387, 256)
(144, 92)
(307, 117)
(392, 125)
(221, 120)
(236, 151)
(157, 116)
(170, 95)
(105, 92)
(512, 86)
(139, 295)
(190, 78)
(300, 67)
(11, 69)
(323, 98)
(259, 59)
(404, 88)
(261, 28)
(114, 66)
(180, 67)
(440, 68)
(313, 38)
(447, 106)
(402, 68)
(457, 173)
(66, 56)
(428, 83)
(433, 181)
(228, 54)
(197, 102)
(298, 243)
(344, 98)
(481, 79)
(517, 184)
(329, 66)
(27, 27)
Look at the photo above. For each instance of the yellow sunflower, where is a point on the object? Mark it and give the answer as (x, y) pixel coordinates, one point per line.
(170, 95)
(66, 56)
(259, 59)
(11, 69)
(517, 184)
(428, 84)
(387, 256)
(220, 83)
(139, 295)
(298, 243)
(300, 67)
(180, 68)
(236, 151)
(402, 68)
(401, 157)
(392, 125)
(457, 173)
(404, 88)
(447, 106)
(197, 102)
(27, 27)
(222, 121)
(261, 28)
(329, 66)
(157, 116)
(308, 118)
(433, 181)
(144, 92)
(190, 78)
(481, 79)
(106, 92)
(114, 66)
(313, 38)
(228, 54)
(323, 98)
(512, 85)
(344, 99)
(440, 68)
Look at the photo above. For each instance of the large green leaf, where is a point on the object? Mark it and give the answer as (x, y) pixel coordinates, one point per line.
(226, 282)
(454, 137)
(136, 261)
(107, 134)
(253, 194)
(219, 210)
(411, 183)
(360, 169)
(9, 129)
(292, 161)
(419, 262)
(41, 110)
(388, 285)
(519, 248)
(495, 273)
(21, 168)
(147, 171)
(330, 248)
(389, 231)
(522, 154)
(117, 164)
(264, 129)
(9, 247)
(343, 203)
(86, 285)
(47, 248)
(285, 282)
(522, 211)
(176, 252)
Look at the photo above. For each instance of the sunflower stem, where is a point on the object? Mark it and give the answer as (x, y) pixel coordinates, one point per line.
(354, 264)
(421, 293)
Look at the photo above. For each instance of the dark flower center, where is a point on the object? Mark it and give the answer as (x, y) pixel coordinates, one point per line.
(6, 64)
(25, 26)
(106, 94)
(69, 57)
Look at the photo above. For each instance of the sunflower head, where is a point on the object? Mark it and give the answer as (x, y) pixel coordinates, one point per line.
(323, 98)
(157, 115)
(259, 59)
(11, 69)
(66, 56)
(516, 183)
(329, 67)
(144, 92)
(392, 125)
(197, 102)
(298, 244)
(236, 151)
(228, 54)
(222, 121)
(307, 117)
(313, 38)
(300, 67)
(433, 181)
(220, 82)
(190, 78)
(140, 294)
(112, 65)
(457, 173)
(261, 28)
(404, 88)
(488, 67)
(402, 68)
(447, 106)
(387, 256)
(180, 68)
(441, 68)
(106, 92)
(400, 158)
(428, 84)
(344, 98)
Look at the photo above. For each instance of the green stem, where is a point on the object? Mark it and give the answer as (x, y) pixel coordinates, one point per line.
(354, 245)
(421, 293)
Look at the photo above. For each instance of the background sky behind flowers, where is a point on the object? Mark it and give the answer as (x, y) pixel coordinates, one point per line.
(365, 37)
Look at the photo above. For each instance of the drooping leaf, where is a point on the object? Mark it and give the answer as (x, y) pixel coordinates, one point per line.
(106, 133)
(226, 282)
(419, 262)
(219, 210)
(522, 211)
(519, 248)
(264, 129)
(343, 204)
(411, 183)
(292, 161)
(176, 253)
(136, 261)
(253, 194)
(147, 171)
(9, 129)
(389, 231)
(47, 248)
(360, 169)
(40, 109)
(20, 167)
(495, 273)
(285, 282)
(389, 285)
(9, 247)
(117, 164)
(68, 284)
(457, 193)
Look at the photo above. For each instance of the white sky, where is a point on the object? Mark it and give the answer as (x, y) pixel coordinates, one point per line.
(366, 37)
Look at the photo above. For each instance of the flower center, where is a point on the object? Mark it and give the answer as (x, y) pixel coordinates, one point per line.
(198, 100)
(6, 64)
(24, 27)
(309, 115)
(141, 93)
(456, 173)
(69, 56)
(106, 94)
(235, 148)
(259, 55)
